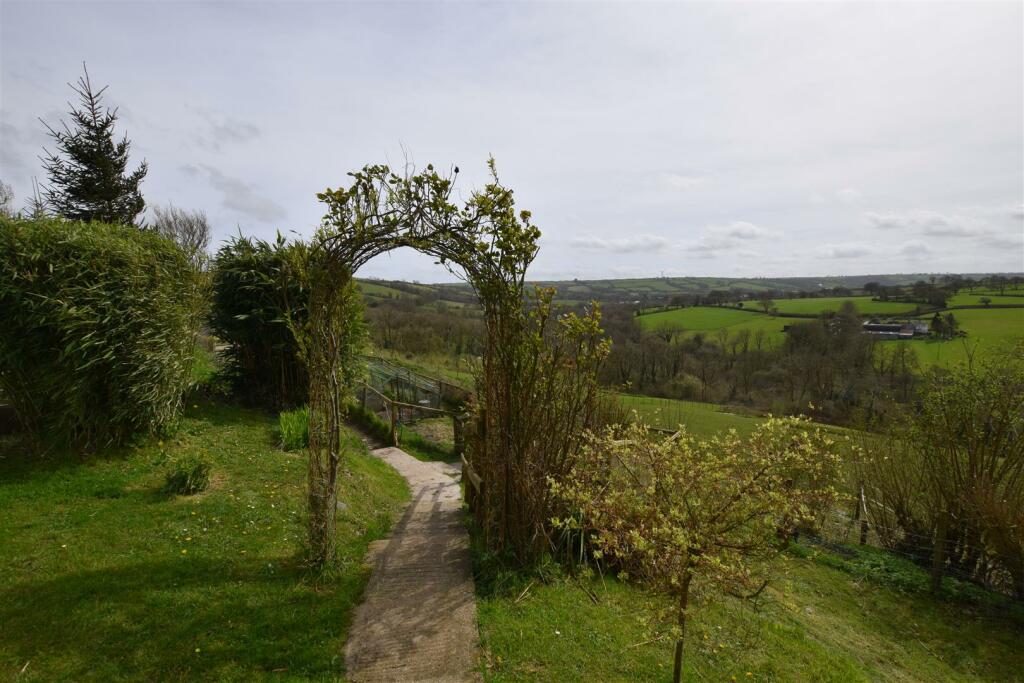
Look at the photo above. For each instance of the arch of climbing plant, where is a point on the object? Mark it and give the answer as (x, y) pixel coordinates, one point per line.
(489, 244)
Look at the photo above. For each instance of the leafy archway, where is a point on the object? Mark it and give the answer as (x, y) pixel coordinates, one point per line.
(490, 245)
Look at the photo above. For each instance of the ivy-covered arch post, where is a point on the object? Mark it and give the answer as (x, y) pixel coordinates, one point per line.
(490, 245)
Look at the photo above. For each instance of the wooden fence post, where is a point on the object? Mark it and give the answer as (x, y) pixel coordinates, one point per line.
(393, 414)
(939, 553)
(459, 429)
(863, 510)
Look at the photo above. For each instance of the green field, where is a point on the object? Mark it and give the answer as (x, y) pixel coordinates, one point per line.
(697, 318)
(103, 577)
(373, 289)
(710, 319)
(864, 305)
(964, 299)
(700, 419)
(823, 618)
(988, 331)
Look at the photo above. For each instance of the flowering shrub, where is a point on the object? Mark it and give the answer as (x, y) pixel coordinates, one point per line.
(671, 510)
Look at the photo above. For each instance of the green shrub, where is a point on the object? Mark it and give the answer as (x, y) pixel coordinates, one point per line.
(293, 426)
(187, 475)
(254, 285)
(99, 325)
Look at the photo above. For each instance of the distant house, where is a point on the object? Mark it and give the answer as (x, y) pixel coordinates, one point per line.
(920, 327)
(896, 330)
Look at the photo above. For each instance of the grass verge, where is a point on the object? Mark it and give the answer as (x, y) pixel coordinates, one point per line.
(104, 577)
(819, 621)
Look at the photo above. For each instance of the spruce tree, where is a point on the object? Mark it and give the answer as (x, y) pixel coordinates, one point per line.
(87, 174)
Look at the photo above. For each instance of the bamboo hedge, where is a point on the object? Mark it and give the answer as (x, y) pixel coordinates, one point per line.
(256, 286)
(99, 329)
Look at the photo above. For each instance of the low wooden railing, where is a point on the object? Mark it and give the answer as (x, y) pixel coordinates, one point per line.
(391, 406)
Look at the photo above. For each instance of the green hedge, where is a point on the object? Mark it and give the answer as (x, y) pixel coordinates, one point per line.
(99, 326)
(253, 283)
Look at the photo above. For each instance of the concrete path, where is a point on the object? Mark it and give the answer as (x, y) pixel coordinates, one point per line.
(418, 617)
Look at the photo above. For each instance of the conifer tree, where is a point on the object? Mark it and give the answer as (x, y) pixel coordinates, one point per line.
(87, 174)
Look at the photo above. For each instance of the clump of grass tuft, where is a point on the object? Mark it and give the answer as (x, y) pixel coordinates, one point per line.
(188, 475)
(293, 427)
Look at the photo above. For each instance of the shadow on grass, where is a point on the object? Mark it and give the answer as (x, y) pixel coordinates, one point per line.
(181, 618)
(22, 460)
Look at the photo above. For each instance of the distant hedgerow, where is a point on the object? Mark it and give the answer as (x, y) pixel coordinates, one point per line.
(98, 328)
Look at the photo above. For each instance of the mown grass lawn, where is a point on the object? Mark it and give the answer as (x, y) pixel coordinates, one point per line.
(105, 578)
(816, 623)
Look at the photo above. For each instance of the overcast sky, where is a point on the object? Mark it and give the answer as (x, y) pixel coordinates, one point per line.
(685, 139)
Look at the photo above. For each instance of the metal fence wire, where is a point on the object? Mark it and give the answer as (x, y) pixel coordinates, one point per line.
(403, 385)
(839, 530)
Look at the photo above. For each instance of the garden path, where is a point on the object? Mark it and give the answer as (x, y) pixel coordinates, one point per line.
(418, 621)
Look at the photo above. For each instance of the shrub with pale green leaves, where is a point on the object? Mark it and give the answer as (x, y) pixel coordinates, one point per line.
(677, 514)
(98, 329)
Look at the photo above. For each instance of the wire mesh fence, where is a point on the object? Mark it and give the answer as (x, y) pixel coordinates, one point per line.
(402, 384)
(841, 530)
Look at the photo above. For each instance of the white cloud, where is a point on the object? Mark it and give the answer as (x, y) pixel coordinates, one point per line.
(711, 245)
(728, 237)
(740, 230)
(1013, 241)
(849, 195)
(622, 245)
(844, 250)
(240, 196)
(915, 250)
(846, 195)
(682, 182)
(928, 223)
(223, 129)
